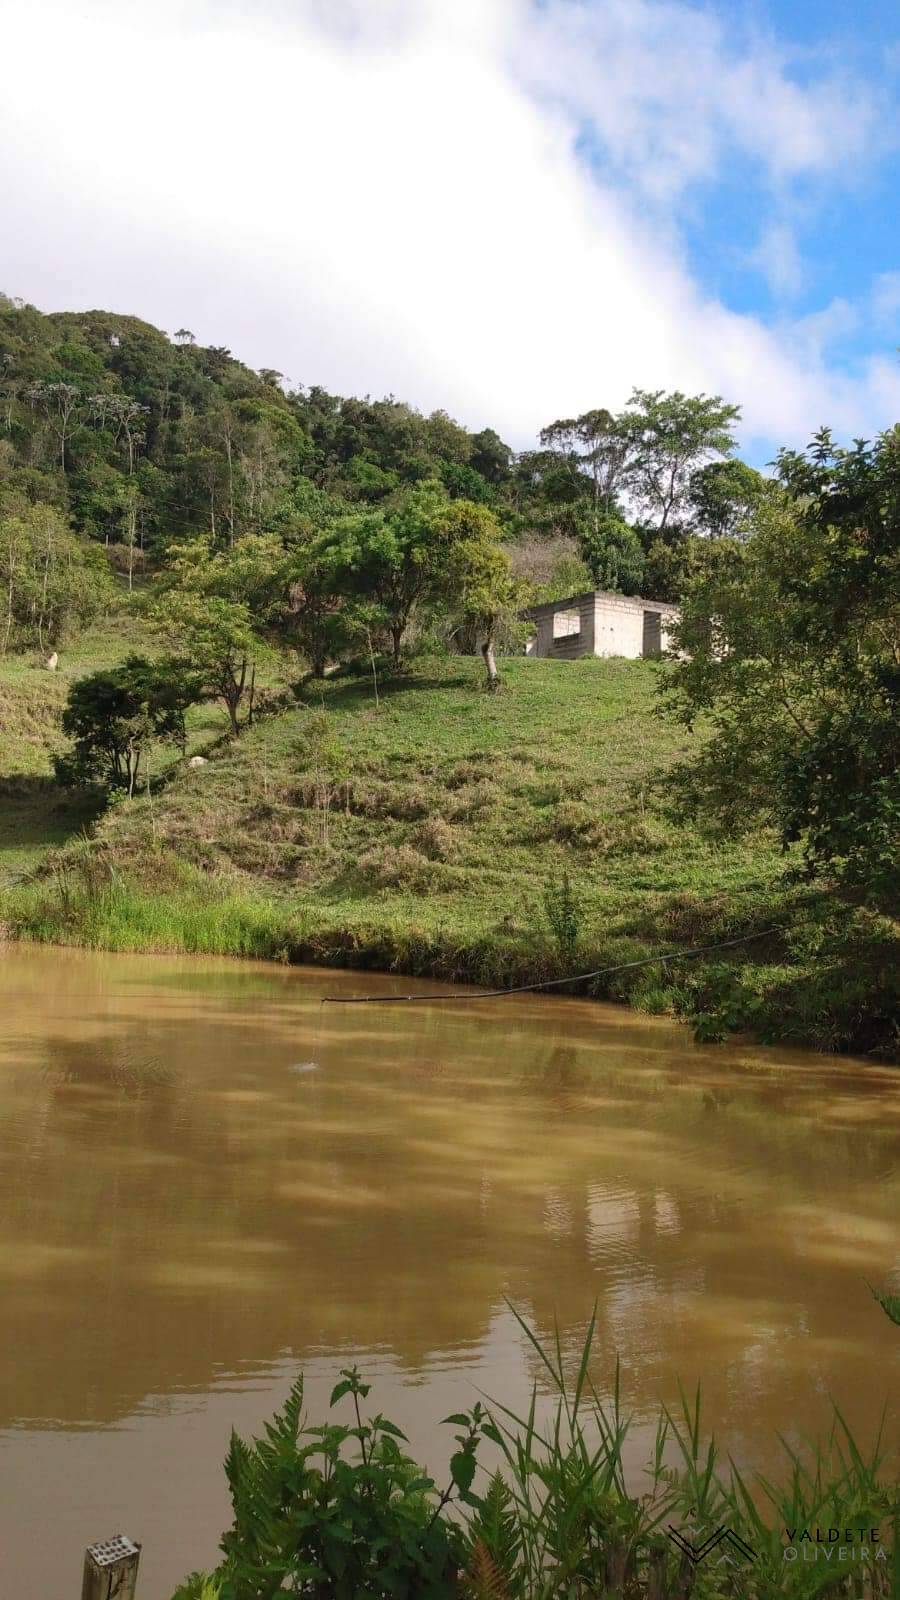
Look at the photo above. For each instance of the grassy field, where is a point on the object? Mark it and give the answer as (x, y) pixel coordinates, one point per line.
(435, 834)
(34, 813)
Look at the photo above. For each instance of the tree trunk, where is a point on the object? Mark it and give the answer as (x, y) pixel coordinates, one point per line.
(230, 490)
(396, 638)
(372, 660)
(9, 603)
(233, 694)
(487, 651)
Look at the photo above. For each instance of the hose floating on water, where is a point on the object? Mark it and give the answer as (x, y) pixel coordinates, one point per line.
(548, 983)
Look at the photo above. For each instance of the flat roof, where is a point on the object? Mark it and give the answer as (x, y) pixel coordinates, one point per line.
(547, 607)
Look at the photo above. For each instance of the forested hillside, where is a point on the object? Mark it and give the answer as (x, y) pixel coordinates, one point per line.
(140, 437)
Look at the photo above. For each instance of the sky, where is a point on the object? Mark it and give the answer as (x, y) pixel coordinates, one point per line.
(514, 210)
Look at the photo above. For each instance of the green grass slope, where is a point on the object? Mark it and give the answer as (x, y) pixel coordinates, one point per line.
(431, 835)
(35, 814)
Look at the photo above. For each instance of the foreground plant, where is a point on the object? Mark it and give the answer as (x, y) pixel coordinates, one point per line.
(337, 1512)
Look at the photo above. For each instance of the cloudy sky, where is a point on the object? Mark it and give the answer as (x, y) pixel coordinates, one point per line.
(513, 209)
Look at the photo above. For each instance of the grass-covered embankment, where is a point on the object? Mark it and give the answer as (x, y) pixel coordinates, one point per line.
(426, 836)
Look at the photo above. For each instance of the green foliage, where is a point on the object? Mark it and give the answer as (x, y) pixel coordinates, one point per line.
(341, 1509)
(212, 639)
(564, 915)
(478, 577)
(394, 557)
(725, 495)
(99, 406)
(669, 436)
(112, 717)
(793, 642)
(672, 565)
(340, 1512)
(213, 609)
(613, 552)
(656, 453)
(51, 584)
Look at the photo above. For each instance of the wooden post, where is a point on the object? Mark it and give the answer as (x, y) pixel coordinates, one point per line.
(110, 1569)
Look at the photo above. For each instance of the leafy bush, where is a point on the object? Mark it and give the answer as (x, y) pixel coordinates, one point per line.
(112, 717)
(563, 913)
(340, 1510)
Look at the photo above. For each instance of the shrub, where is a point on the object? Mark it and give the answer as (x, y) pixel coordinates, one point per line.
(437, 840)
(563, 914)
(339, 1510)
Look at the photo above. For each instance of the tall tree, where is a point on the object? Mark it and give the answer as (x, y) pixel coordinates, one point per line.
(669, 437)
(601, 445)
(724, 496)
(394, 557)
(478, 578)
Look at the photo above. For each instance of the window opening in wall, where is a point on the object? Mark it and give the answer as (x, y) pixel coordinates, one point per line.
(566, 623)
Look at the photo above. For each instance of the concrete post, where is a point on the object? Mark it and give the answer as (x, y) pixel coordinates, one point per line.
(110, 1569)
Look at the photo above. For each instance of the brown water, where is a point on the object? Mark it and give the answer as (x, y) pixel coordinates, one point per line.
(208, 1180)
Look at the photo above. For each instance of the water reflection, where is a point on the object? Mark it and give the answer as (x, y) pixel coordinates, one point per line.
(187, 1216)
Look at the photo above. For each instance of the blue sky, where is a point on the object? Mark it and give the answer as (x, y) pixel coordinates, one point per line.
(510, 209)
(843, 222)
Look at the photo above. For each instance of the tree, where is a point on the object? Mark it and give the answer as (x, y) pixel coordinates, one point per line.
(670, 567)
(725, 495)
(59, 403)
(479, 579)
(394, 557)
(112, 718)
(212, 639)
(490, 456)
(316, 603)
(669, 436)
(601, 444)
(793, 658)
(613, 551)
(368, 622)
(210, 613)
(50, 580)
(252, 573)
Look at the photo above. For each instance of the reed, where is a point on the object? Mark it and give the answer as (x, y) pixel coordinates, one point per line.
(338, 1511)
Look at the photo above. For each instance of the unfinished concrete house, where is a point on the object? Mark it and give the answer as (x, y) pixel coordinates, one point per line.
(600, 624)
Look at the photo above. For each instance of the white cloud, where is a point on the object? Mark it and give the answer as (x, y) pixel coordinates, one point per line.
(778, 259)
(379, 195)
(672, 92)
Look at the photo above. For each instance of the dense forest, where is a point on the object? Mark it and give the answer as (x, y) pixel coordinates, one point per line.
(139, 438)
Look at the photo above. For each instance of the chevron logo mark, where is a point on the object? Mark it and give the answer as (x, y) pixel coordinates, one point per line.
(722, 1535)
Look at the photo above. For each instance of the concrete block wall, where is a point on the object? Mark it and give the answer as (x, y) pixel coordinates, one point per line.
(618, 626)
(609, 625)
(573, 645)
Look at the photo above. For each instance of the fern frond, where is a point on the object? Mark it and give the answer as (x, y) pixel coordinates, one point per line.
(483, 1579)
